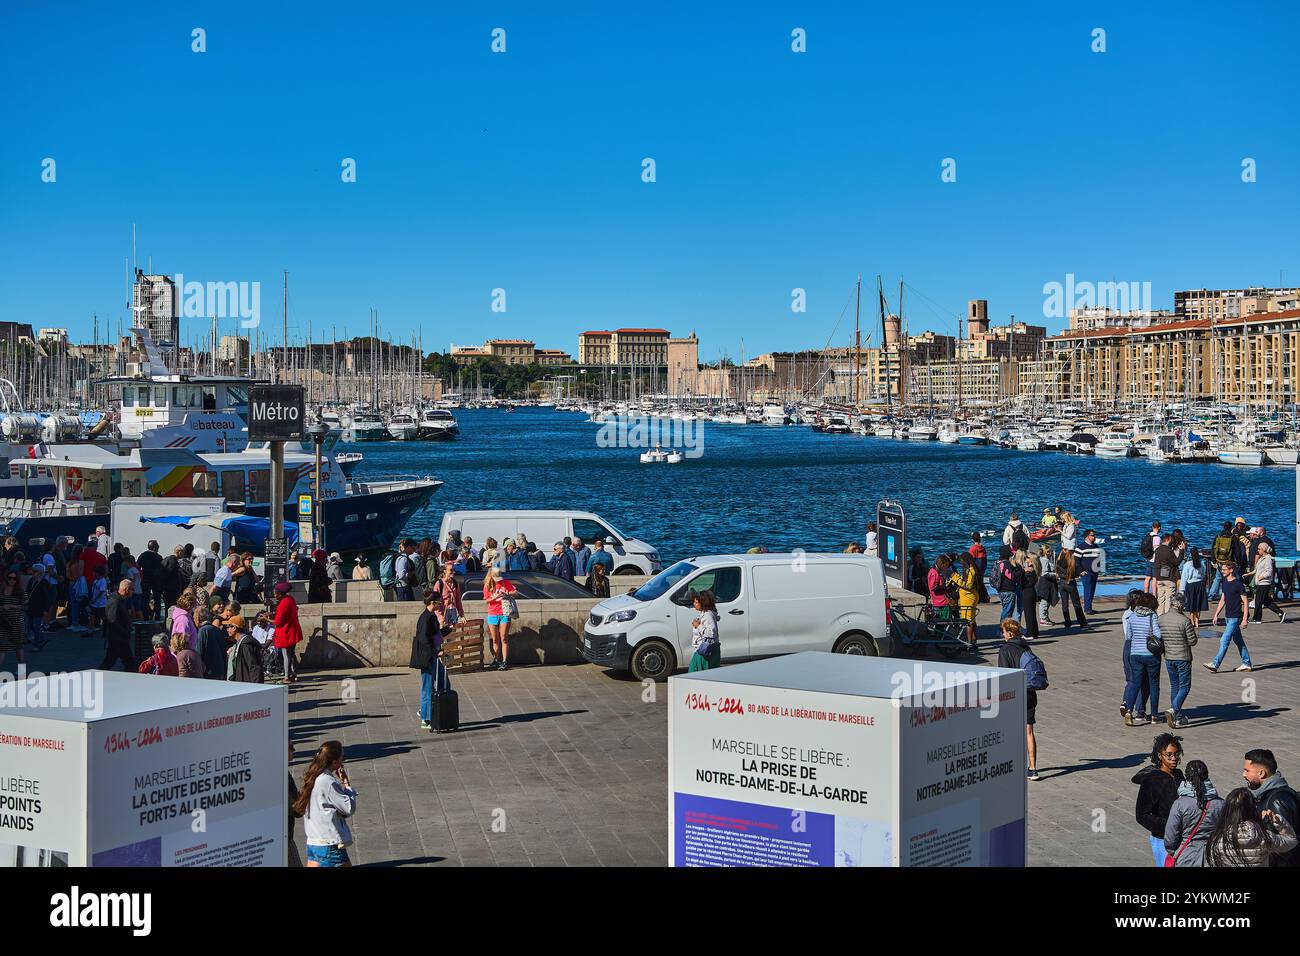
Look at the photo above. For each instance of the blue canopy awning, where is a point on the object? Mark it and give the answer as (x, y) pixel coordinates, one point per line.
(243, 527)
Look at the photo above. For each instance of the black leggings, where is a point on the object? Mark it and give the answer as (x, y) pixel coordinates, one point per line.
(1070, 593)
(1264, 596)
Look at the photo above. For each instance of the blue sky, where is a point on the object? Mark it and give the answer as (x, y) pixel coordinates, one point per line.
(775, 170)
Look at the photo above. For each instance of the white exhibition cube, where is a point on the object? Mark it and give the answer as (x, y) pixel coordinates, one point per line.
(142, 770)
(818, 759)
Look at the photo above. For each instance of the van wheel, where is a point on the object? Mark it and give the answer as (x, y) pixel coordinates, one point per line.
(855, 642)
(652, 660)
(627, 569)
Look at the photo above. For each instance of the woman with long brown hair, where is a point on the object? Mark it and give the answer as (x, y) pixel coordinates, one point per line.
(1067, 582)
(325, 802)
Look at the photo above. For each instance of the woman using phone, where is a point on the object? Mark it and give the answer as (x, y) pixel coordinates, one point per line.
(325, 802)
(495, 590)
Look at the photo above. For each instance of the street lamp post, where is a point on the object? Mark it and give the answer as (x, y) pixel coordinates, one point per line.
(318, 433)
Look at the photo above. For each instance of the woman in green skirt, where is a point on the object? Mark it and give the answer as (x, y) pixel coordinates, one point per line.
(704, 632)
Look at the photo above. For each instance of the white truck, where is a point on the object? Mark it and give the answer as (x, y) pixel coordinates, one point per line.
(544, 528)
(768, 604)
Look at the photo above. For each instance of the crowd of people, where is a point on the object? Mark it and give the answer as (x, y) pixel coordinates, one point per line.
(1191, 824)
(208, 613)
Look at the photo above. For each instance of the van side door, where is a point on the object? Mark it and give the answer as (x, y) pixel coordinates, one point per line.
(727, 583)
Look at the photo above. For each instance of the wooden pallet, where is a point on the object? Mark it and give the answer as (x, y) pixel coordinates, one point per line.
(462, 649)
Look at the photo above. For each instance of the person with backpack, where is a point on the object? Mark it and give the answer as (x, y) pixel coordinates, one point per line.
(1247, 836)
(1178, 635)
(1015, 653)
(1274, 795)
(1158, 791)
(1233, 606)
(1164, 573)
(1220, 554)
(1006, 581)
(1192, 818)
(1142, 637)
(1148, 549)
(405, 575)
(1014, 534)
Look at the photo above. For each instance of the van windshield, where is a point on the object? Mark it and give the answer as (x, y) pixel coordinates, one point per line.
(664, 581)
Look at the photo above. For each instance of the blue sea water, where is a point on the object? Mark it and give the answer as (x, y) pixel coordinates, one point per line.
(789, 487)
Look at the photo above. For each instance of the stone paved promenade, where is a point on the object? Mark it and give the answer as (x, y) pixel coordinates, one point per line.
(566, 765)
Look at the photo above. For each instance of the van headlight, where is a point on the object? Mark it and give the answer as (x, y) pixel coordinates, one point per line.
(653, 555)
(619, 616)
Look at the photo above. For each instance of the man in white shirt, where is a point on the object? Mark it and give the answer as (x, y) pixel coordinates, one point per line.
(873, 540)
(103, 545)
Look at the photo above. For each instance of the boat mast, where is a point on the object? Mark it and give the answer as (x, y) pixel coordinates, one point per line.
(884, 344)
(857, 345)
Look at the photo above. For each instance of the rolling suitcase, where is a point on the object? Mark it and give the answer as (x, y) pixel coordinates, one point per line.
(445, 712)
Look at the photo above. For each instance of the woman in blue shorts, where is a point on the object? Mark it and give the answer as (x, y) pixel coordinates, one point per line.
(325, 802)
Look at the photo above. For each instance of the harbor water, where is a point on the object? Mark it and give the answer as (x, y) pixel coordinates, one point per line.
(788, 487)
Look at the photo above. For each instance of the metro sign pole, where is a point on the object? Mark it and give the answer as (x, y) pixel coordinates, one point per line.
(276, 414)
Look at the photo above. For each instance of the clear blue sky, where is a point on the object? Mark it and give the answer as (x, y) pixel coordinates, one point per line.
(522, 170)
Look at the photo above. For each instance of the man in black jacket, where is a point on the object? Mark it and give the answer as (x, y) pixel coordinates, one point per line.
(117, 630)
(1272, 793)
(150, 564)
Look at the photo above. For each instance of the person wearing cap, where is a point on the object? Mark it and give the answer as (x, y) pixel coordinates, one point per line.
(600, 556)
(1179, 637)
(1264, 574)
(335, 566)
(288, 632)
(245, 663)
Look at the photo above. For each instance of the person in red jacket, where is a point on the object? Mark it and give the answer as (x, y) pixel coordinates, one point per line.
(288, 632)
(161, 661)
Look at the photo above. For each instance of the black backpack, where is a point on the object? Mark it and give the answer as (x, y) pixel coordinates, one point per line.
(1019, 539)
(1147, 547)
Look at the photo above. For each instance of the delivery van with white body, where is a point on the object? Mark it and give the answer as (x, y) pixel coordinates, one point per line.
(767, 604)
(544, 528)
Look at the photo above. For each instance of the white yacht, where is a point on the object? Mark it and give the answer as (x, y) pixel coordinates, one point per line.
(1114, 445)
(922, 432)
(1242, 454)
(366, 426)
(403, 427)
(774, 414)
(437, 424)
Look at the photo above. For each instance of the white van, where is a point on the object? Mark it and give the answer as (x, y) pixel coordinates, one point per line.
(544, 528)
(767, 604)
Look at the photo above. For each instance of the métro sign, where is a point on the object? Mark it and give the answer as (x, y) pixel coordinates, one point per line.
(276, 413)
(891, 528)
